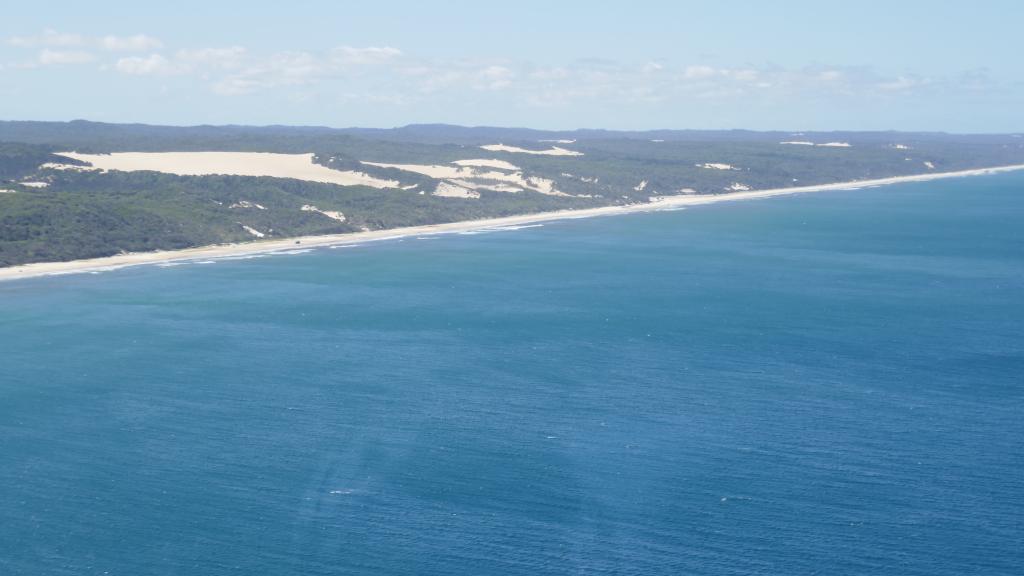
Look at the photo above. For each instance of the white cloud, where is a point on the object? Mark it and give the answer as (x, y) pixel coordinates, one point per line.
(144, 66)
(697, 72)
(47, 38)
(363, 56)
(282, 69)
(203, 60)
(49, 57)
(136, 43)
(743, 74)
(386, 74)
(222, 58)
(53, 39)
(899, 84)
(235, 86)
(440, 80)
(495, 78)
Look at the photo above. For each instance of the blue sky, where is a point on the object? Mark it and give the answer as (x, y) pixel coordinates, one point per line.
(910, 65)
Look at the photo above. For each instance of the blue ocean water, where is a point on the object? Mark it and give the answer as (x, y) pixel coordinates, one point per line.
(823, 384)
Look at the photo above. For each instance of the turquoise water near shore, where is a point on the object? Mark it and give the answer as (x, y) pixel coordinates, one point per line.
(830, 383)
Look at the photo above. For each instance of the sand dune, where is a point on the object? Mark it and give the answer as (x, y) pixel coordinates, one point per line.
(494, 163)
(332, 214)
(253, 231)
(472, 178)
(438, 171)
(452, 190)
(295, 166)
(553, 151)
(826, 144)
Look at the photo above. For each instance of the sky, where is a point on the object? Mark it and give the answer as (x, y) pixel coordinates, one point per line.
(950, 66)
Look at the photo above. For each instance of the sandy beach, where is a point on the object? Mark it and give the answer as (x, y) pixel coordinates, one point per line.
(268, 246)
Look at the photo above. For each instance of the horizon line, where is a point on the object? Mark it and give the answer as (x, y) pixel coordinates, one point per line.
(524, 128)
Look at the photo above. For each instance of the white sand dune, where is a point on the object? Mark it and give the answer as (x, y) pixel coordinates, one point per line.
(332, 214)
(588, 180)
(450, 190)
(493, 163)
(253, 231)
(474, 179)
(438, 171)
(826, 144)
(553, 151)
(493, 186)
(73, 167)
(294, 166)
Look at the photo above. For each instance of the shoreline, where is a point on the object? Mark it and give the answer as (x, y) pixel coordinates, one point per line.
(24, 271)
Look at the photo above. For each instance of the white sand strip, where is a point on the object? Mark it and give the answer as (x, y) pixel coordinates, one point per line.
(438, 171)
(266, 246)
(253, 231)
(295, 166)
(553, 151)
(493, 163)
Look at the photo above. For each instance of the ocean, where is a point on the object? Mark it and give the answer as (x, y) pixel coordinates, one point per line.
(829, 383)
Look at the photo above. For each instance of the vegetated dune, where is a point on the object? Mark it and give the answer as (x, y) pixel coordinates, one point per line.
(466, 175)
(295, 166)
